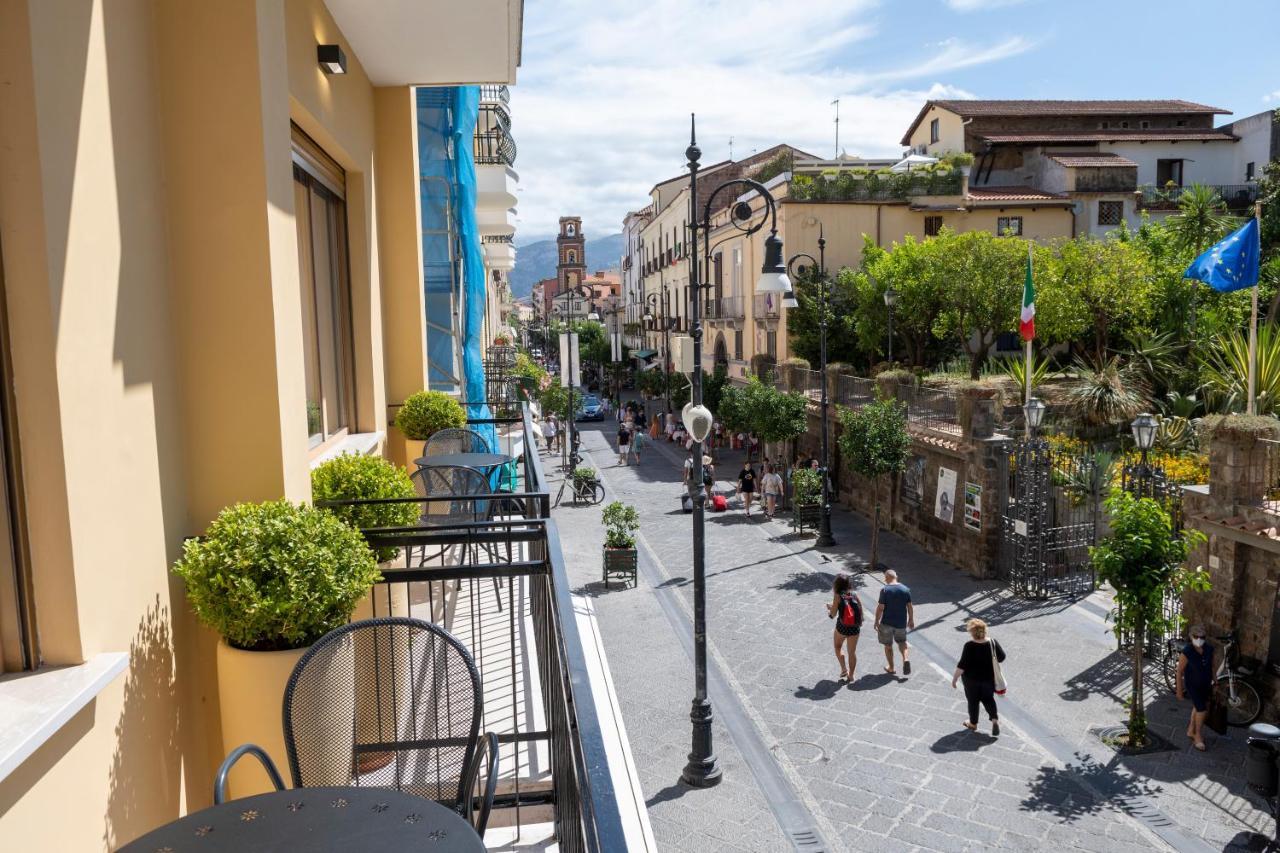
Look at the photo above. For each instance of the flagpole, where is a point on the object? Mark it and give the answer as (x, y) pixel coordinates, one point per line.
(1253, 327)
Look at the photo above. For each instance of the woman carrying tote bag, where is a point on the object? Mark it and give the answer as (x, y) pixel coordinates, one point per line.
(979, 668)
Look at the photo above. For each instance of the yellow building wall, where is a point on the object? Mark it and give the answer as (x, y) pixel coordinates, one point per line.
(950, 132)
(151, 272)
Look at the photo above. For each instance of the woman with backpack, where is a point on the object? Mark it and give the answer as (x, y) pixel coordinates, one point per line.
(846, 609)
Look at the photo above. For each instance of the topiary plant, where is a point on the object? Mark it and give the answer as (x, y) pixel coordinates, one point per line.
(427, 412)
(276, 575)
(351, 477)
(620, 525)
(806, 486)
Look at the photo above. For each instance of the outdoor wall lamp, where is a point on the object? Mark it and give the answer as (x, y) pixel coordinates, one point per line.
(891, 297)
(697, 420)
(773, 275)
(1144, 431)
(331, 58)
(1034, 411)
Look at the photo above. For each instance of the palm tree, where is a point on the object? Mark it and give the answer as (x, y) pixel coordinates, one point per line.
(1201, 220)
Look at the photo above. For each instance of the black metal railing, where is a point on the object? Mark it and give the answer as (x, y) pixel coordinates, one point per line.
(855, 392)
(495, 93)
(928, 407)
(498, 238)
(724, 308)
(1235, 196)
(767, 306)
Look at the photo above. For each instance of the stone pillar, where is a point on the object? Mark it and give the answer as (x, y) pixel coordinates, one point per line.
(834, 371)
(1238, 462)
(977, 413)
(888, 387)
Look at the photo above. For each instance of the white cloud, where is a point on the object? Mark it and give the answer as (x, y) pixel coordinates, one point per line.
(1271, 97)
(979, 5)
(601, 111)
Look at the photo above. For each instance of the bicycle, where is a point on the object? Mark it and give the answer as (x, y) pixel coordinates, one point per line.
(1232, 681)
(586, 489)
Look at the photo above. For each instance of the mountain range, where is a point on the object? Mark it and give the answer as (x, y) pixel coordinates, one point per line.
(537, 260)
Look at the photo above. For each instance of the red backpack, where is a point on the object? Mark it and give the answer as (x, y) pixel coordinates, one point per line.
(850, 611)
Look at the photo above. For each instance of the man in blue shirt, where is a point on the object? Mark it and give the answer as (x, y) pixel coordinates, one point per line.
(894, 616)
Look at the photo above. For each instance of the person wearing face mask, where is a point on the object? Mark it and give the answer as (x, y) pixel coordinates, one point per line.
(1195, 680)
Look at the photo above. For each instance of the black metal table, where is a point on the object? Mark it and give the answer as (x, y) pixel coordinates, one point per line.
(484, 462)
(316, 820)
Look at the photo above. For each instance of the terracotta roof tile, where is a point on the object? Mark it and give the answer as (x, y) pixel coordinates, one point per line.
(1101, 159)
(1012, 194)
(1070, 108)
(1046, 136)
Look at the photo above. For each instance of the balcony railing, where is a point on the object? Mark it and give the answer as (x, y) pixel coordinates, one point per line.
(767, 306)
(493, 575)
(494, 148)
(501, 94)
(724, 308)
(498, 238)
(1237, 197)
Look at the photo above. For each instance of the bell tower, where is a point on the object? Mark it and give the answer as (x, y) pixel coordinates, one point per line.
(571, 267)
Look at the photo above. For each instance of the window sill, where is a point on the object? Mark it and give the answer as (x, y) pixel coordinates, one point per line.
(360, 443)
(37, 704)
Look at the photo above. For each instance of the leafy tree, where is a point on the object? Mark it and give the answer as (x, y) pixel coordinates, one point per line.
(916, 273)
(1201, 220)
(1143, 560)
(1099, 286)
(875, 440)
(803, 323)
(983, 277)
(762, 409)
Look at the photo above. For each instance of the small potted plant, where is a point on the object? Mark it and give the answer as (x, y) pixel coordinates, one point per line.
(583, 477)
(424, 414)
(621, 522)
(271, 579)
(806, 496)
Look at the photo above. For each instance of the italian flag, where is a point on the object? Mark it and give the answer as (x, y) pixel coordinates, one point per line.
(1027, 323)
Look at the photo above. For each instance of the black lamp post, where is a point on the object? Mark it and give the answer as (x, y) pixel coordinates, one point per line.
(658, 303)
(1144, 428)
(571, 451)
(1033, 410)
(702, 770)
(890, 300)
(819, 267)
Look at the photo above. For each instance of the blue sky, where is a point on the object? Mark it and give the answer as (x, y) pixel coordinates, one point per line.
(600, 111)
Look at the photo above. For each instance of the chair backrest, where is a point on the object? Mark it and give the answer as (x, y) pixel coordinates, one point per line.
(455, 481)
(458, 440)
(389, 703)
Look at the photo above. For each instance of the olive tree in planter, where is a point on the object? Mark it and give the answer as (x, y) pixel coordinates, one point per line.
(1143, 559)
(271, 579)
(424, 414)
(806, 498)
(621, 522)
(875, 440)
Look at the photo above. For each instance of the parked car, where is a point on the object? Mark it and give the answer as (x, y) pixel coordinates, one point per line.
(590, 409)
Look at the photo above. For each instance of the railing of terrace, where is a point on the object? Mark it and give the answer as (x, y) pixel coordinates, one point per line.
(855, 391)
(807, 382)
(1235, 196)
(930, 407)
(493, 575)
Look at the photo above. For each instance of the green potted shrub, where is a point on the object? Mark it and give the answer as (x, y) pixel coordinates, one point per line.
(806, 497)
(621, 521)
(271, 579)
(423, 415)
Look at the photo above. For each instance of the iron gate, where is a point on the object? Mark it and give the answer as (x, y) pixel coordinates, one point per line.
(1149, 481)
(1049, 519)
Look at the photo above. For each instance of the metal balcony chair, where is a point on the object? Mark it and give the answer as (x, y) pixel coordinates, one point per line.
(387, 703)
(460, 485)
(459, 440)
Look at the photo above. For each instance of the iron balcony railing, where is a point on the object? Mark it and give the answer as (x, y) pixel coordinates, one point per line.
(767, 306)
(492, 573)
(500, 94)
(929, 408)
(494, 148)
(1237, 197)
(724, 308)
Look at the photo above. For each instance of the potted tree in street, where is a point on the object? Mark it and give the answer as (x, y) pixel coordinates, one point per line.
(1143, 559)
(271, 579)
(423, 415)
(875, 441)
(806, 498)
(621, 522)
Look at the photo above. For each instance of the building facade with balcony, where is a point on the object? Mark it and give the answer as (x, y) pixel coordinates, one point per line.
(212, 266)
(497, 182)
(631, 267)
(1113, 160)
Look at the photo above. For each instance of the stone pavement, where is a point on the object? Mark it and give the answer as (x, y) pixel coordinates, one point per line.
(881, 764)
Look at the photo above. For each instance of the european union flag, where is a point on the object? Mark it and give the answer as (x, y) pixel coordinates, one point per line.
(1231, 264)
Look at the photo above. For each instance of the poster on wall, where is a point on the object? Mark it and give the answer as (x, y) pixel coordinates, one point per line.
(944, 504)
(913, 482)
(973, 506)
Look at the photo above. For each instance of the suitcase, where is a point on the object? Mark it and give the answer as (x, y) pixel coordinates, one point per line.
(719, 504)
(686, 502)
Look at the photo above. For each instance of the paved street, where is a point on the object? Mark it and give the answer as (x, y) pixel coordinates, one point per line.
(881, 763)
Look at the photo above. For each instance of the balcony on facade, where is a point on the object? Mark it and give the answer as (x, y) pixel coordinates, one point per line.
(724, 308)
(767, 306)
(496, 177)
(1239, 198)
(493, 143)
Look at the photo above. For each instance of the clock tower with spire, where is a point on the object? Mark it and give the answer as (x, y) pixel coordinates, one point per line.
(571, 268)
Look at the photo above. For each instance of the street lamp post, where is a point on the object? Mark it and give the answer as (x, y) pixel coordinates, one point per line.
(663, 304)
(702, 770)
(571, 451)
(819, 267)
(890, 300)
(1144, 428)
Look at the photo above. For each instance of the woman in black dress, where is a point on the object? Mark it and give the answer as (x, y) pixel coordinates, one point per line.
(1195, 680)
(977, 669)
(747, 485)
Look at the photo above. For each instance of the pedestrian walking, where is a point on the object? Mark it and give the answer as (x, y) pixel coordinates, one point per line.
(1195, 680)
(708, 476)
(979, 669)
(846, 609)
(624, 442)
(747, 486)
(895, 615)
(551, 430)
(771, 483)
(637, 442)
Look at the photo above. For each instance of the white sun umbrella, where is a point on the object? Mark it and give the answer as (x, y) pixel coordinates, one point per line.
(912, 160)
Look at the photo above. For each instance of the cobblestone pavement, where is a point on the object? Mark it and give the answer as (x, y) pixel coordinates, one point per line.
(882, 763)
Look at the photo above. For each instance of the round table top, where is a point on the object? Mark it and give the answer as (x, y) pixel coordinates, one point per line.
(316, 820)
(463, 460)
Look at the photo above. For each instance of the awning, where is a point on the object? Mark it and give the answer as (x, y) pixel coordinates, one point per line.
(644, 353)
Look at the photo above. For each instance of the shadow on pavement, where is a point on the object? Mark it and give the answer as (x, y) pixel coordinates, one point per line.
(872, 682)
(595, 589)
(1085, 787)
(1248, 842)
(961, 741)
(667, 794)
(805, 582)
(824, 689)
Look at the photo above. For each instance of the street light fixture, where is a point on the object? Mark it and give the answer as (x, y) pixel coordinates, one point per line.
(890, 300)
(1144, 429)
(660, 299)
(818, 267)
(702, 771)
(1033, 409)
